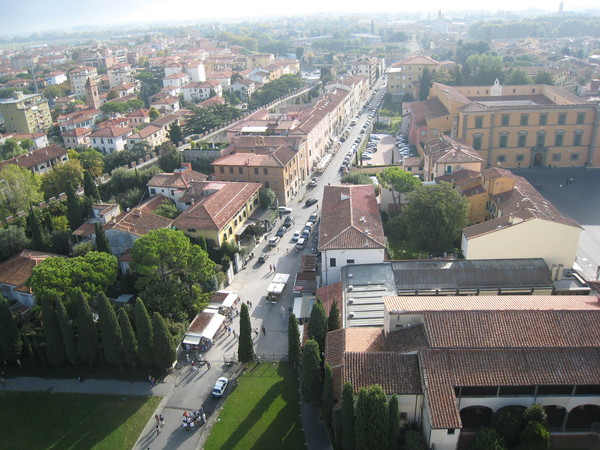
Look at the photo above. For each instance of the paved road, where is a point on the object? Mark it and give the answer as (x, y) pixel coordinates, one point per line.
(578, 201)
(185, 389)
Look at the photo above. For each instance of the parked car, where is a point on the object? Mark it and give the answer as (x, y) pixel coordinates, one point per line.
(367, 156)
(220, 386)
(312, 184)
(289, 221)
(262, 258)
(284, 210)
(296, 236)
(305, 233)
(301, 243)
(311, 201)
(273, 241)
(313, 218)
(281, 231)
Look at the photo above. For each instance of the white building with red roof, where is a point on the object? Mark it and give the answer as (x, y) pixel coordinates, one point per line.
(174, 185)
(351, 231)
(110, 139)
(198, 91)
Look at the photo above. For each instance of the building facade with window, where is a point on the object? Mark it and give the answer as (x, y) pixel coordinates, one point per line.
(26, 113)
(512, 126)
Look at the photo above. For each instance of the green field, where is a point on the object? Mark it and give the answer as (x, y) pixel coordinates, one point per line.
(37, 420)
(262, 411)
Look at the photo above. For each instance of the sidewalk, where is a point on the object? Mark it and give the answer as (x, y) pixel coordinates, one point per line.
(90, 386)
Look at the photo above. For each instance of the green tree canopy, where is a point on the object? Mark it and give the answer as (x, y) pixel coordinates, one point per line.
(394, 425)
(435, 216)
(312, 383)
(10, 337)
(170, 158)
(19, 188)
(517, 76)
(294, 349)
(102, 244)
(348, 417)
(245, 344)
(92, 161)
(209, 117)
(175, 134)
(11, 148)
(87, 334)
(89, 187)
(12, 241)
(61, 177)
(266, 197)
(66, 330)
(544, 77)
(167, 209)
(317, 324)
(55, 348)
(280, 87)
(130, 347)
(487, 439)
(163, 344)
(372, 419)
(509, 422)
(171, 271)
(333, 320)
(144, 333)
(482, 70)
(398, 182)
(110, 331)
(425, 84)
(58, 277)
(535, 436)
(328, 398)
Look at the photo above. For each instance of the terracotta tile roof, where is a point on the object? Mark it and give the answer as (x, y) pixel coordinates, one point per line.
(84, 230)
(215, 210)
(442, 370)
(458, 177)
(280, 157)
(523, 203)
(396, 373)
(138, 222)
(145, 132)
(360, 339)
(350, 218)
(17, 270)
(139, 113)
(177, 180)
(36, 157)
(416, 60)
(428, 109)
(216, 100)
(112, 132)
(77, 132)
(329, 293)
(407, 340)
(493, 303)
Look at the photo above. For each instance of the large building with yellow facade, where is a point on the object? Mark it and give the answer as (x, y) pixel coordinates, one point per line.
(405, 76)
(511, 126)
(27, 113)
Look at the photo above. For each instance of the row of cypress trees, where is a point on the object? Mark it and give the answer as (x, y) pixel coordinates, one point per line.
(82, 339)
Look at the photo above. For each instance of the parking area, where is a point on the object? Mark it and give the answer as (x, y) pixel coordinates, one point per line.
(387, 152)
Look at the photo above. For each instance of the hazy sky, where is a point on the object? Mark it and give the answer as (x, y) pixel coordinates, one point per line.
(24, 16)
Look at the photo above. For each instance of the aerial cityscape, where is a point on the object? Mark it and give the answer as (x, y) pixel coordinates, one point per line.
(309, 225)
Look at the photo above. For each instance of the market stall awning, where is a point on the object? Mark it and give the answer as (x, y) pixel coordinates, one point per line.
(275, 288)
(191, 340)
(303, 306)
(229, 300)
(212, 327)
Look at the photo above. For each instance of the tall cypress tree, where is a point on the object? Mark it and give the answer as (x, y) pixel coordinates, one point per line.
(55, 348)
(348, 417)
(312, 384)
(317, 324)
(245, 345)
(39, 236)
(10, 337)
(130, 348)
(74, 208)
(328, 399)
(89, 187)
(333, 320)
(144, 334)
(66, 331)
(163, 347)
(102, 244)
(110, 331)
(372, 419)
(394, 425)
(294, 349)
(87, 335)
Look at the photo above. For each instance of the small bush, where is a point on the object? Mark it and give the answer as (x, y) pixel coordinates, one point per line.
(535, 436)
(487, 439)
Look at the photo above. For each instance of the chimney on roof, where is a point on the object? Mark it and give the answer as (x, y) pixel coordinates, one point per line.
(186, 167)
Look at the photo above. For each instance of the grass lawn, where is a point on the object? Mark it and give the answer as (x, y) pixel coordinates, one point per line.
(262, 411)
(68, 421)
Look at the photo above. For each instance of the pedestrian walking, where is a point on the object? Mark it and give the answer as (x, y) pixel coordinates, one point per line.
(157, 419)
(194, 366)
(282, 310)
(270, 268)
(207, 365)
(264, 330)
(3, 380)
(571, 180)
(250, 303)
(80, 378)
(256, 332)
(153, 381)
(274, 269)
(229, 331)
(162, 420)
(157, 429)
(234, 334)
(150, 379)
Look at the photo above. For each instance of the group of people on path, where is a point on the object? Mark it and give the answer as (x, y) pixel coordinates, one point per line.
(160, 422)
(192, 419)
